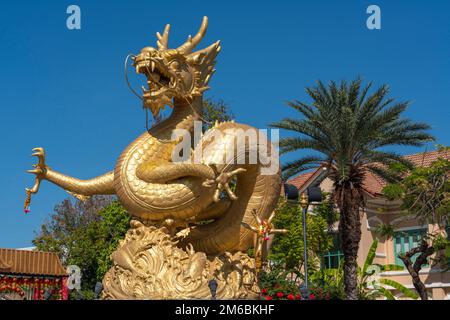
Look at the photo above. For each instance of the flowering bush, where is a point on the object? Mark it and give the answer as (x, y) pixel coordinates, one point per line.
(320, 294)
(276, 285)
(277, 293)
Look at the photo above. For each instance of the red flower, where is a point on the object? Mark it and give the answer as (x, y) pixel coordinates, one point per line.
(263, 291)
(280, 294)
(298, 296)
(290, 296)
(312, 296)
(268, 298)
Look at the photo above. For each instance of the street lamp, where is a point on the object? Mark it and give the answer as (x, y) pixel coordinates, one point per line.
(314, 195)
(304, 206)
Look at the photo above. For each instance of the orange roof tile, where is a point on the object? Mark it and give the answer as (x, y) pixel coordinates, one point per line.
(14, 261)
(301, 179)
(424, 159)
(373, 183)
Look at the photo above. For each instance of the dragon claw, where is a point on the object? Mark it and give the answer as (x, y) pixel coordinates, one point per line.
(39, 169)
(39, 150)
(222, 182)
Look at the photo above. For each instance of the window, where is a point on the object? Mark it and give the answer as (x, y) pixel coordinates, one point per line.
(405, 241)
(332, 258)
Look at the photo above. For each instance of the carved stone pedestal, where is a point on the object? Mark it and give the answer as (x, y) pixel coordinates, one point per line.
(149, 265)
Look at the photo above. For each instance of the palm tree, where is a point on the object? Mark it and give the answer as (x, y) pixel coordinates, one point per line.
(349, 128)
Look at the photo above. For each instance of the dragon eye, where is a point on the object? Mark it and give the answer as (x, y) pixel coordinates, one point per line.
(175, 65)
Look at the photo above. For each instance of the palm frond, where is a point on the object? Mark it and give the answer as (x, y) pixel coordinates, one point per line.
(306, 163)
(386, 293)
(387, 158)
(391, 267)
(386, 175)
(406, 292)
(293, 144)
(370, 256)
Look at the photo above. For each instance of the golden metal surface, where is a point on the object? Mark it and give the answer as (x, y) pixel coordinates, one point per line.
(158, 191)
(148, 264)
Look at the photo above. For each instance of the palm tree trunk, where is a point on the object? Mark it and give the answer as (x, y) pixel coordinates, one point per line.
(350, 231)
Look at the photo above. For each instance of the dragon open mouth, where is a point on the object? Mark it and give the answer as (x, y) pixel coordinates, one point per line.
(161, 84)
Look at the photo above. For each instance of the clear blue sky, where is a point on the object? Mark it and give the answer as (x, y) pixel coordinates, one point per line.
(64, 90)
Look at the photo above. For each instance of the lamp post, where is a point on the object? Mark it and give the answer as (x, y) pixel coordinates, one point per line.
(304, 205)
(314, 195)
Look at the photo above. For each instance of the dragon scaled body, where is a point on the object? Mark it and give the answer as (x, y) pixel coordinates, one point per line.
(208, 199)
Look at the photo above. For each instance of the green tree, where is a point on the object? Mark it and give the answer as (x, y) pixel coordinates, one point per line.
(348, 128)
(425, 195)
(215, 110)
(68, 217)
(114, 224)
(288, 249)
(85, 234)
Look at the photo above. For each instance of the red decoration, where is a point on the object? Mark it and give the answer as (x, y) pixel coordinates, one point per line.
(64, 289)
(34, 288)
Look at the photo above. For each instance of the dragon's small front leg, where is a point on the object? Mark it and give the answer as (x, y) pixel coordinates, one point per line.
(103, 184)
(162, 173)
(222, 182)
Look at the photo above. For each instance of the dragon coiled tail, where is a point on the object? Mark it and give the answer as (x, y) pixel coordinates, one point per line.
(152, 187)
(256, 191)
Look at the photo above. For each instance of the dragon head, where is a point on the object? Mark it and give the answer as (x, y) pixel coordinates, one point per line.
(175, 73)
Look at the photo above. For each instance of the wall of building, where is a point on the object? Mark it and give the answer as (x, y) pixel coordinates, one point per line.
(436, 280)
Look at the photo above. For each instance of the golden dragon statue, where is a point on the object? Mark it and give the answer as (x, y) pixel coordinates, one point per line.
(198, 203)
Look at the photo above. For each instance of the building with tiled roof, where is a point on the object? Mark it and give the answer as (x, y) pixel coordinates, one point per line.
(372, 183)
(380, 210)
(26, 274)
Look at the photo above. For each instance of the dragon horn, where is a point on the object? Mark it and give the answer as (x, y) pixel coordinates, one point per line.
(191, 43)
(163, 41)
